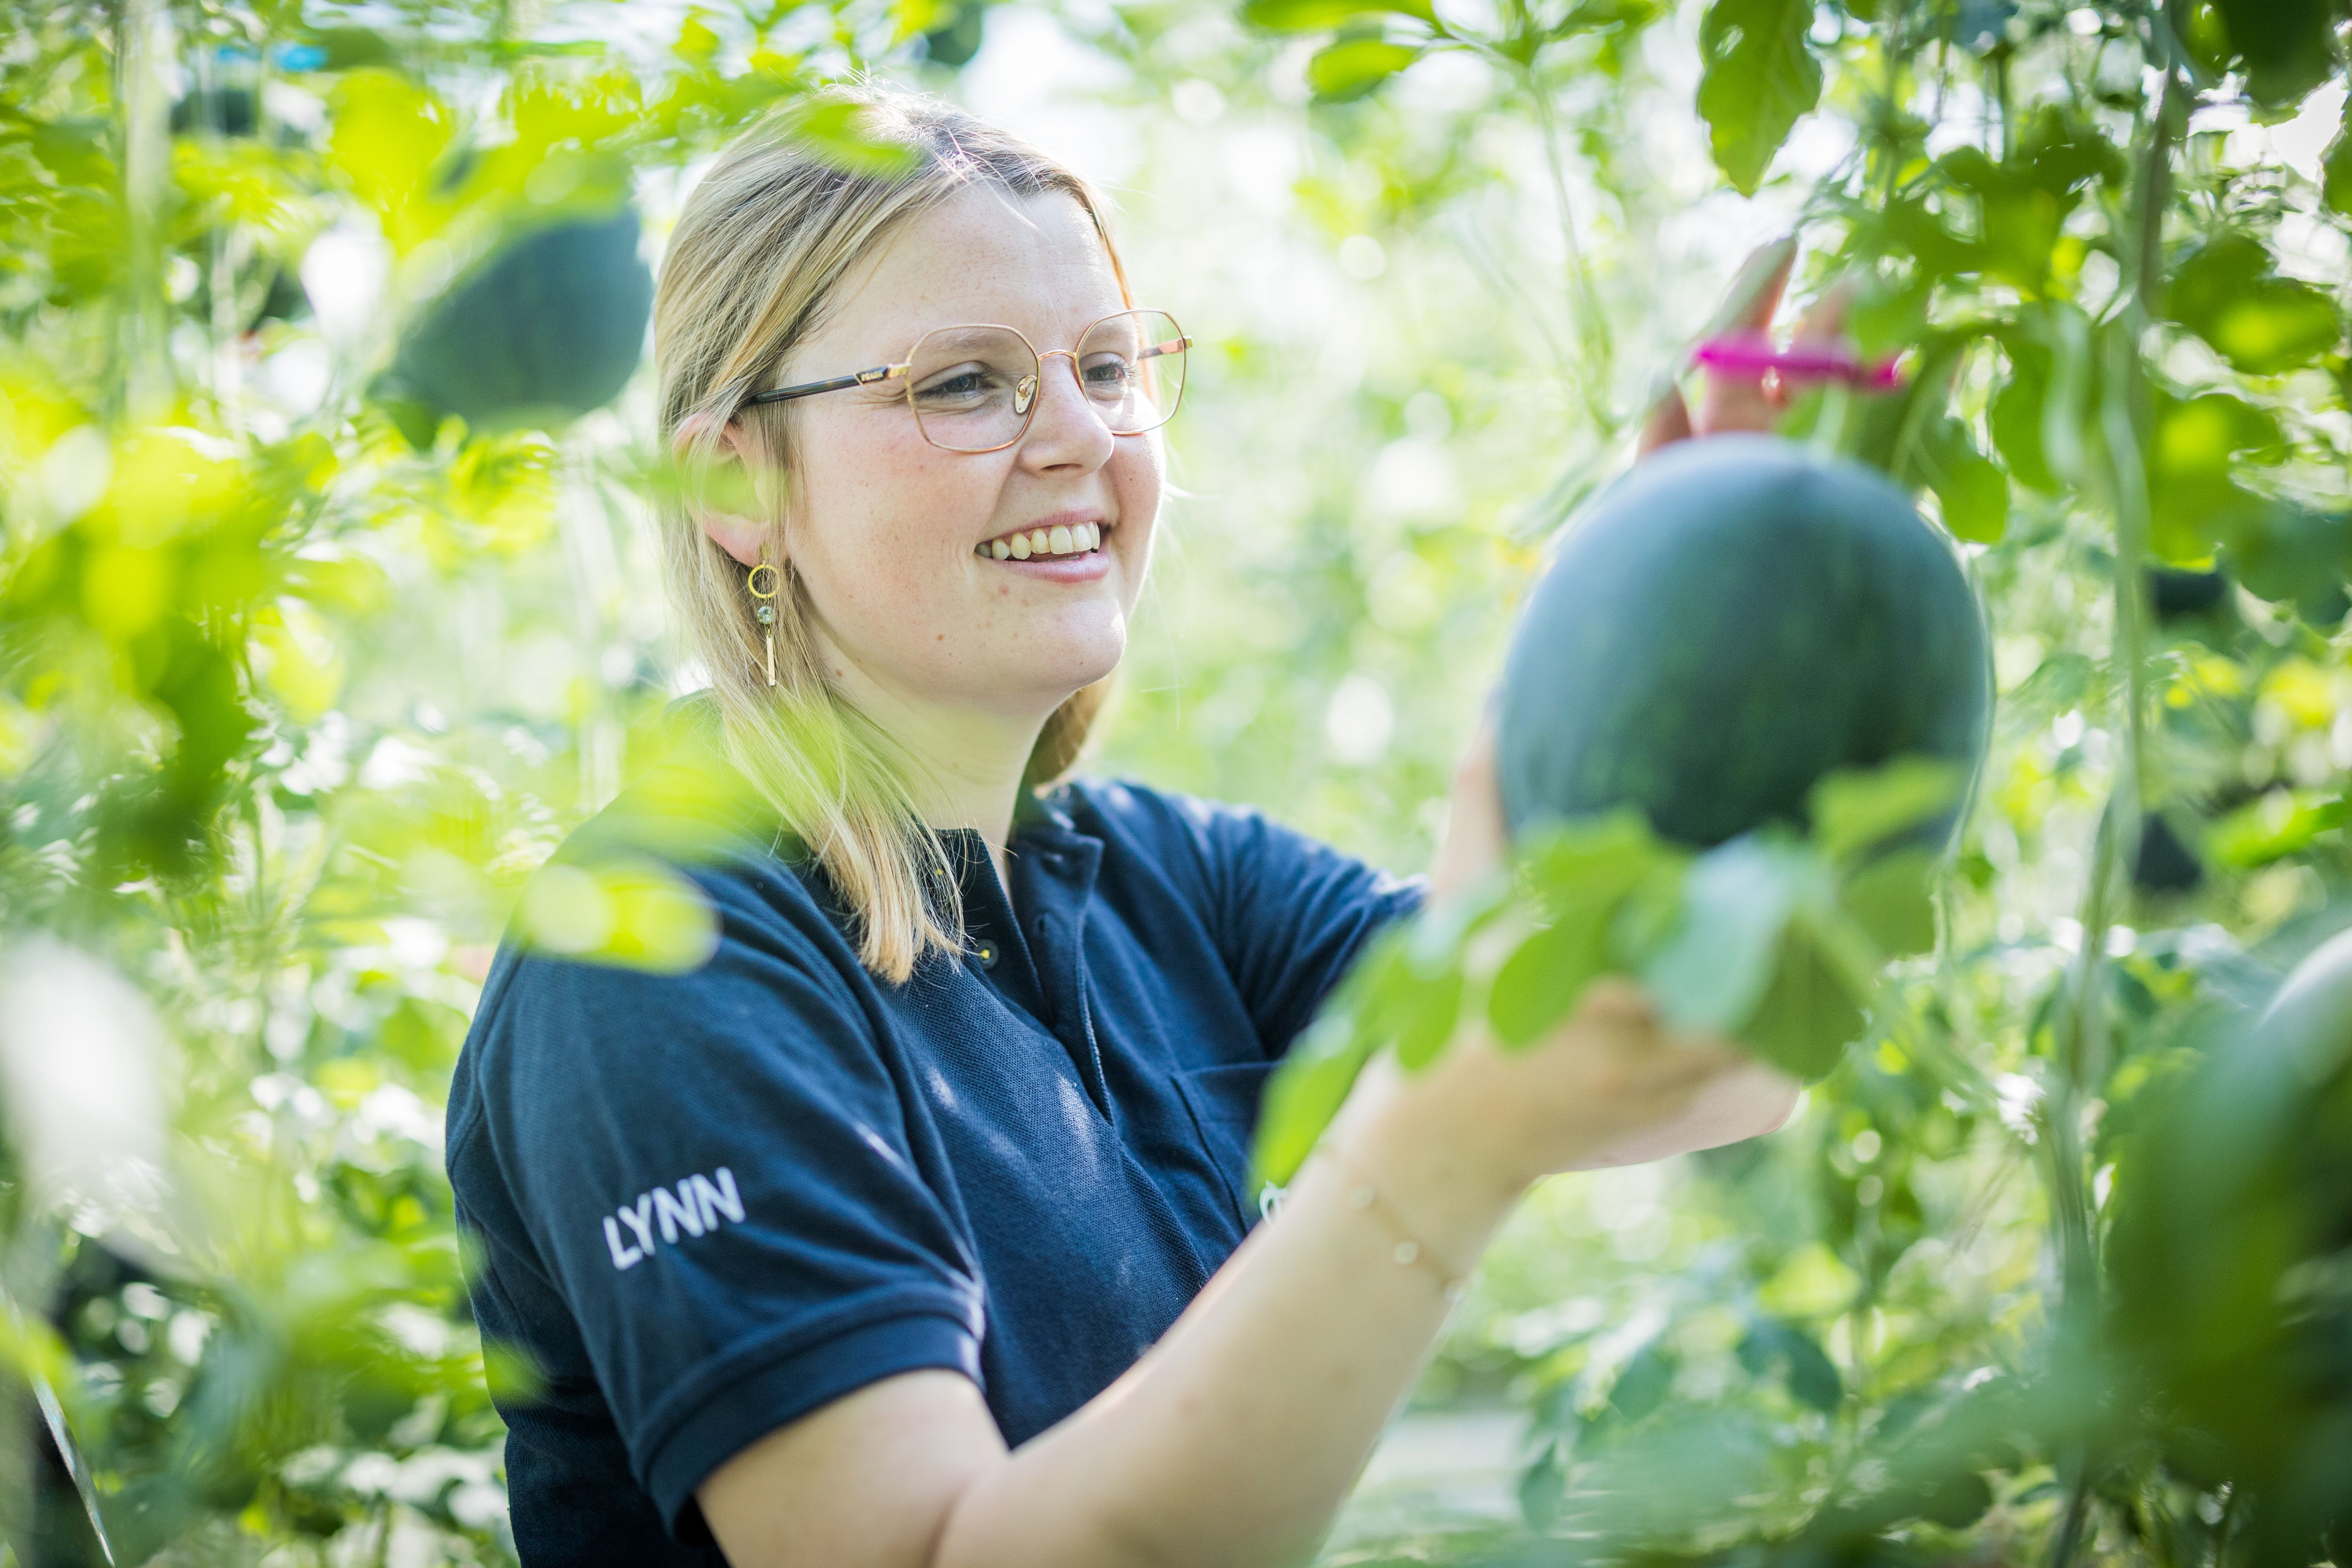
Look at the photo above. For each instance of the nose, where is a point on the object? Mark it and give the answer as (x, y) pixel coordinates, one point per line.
(1064, 433)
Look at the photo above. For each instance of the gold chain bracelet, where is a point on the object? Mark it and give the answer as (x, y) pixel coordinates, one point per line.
(1363, 1195)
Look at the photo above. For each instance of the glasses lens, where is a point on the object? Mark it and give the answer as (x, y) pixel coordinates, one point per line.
(972, 387)
(1132, 367)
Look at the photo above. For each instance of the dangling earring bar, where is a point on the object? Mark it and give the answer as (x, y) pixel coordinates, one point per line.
(767, 610)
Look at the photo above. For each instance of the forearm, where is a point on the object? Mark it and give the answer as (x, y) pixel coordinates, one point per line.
(1234, 1441)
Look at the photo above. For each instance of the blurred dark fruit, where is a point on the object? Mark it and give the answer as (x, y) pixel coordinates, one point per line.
(1726, 624)
(550, 327)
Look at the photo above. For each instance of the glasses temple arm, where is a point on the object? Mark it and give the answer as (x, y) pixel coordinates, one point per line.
(838, 384)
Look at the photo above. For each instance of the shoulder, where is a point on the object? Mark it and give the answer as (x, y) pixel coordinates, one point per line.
(767, 984)
(1184, 837)
(1223, 837)
(1129, 809)
(1231, 857)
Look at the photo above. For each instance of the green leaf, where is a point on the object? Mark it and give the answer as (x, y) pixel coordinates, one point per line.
(2228, 294)
(2273, 827)
(1812, 1378)
(1577, 874)
(2195, 504)
(1892, 900)
(1565, 866)
(1318, 15)
(2057, 683)
(1598, 15)
(1717, 962)
(2288, 46)
(2336, 169)
(2293, 555)
(2016, 417)
(1644, 1383)
(838, 133)
(1971, 488)
(1538, 985)
(1759, 77)
(1855, 811)
(1305, 1092)
(1354, 66)
(1812, 1008)
(1421, 1018)
(627, 912)
(388, 136)
(1959, 1502)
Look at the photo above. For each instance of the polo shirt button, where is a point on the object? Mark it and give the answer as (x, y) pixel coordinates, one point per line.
(986, 953)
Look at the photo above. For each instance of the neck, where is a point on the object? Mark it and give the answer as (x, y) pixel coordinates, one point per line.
(968, 760)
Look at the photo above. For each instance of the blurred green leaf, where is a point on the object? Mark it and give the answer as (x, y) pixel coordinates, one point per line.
(2228, 293)
(1892, 900)
(2273, 827)
(1857, 812)
(1354, 66)
(1971, 488)
(1317, 15)
(1305, 1092)
(1758, 79)
(634, 914)
(1715, 966)
(837, 131)
(2288, 46)
(1773, 1346)
(2194, 500)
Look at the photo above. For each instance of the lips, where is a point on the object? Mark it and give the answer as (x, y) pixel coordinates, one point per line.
(1071, 539)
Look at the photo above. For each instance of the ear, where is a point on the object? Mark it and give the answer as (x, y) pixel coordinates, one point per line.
(728, 497)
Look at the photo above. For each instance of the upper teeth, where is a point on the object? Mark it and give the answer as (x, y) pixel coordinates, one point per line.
(1075, 539)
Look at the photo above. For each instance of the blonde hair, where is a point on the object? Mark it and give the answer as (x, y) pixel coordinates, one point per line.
(763, 243)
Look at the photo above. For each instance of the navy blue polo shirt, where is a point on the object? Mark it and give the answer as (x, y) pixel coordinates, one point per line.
(709, 1204)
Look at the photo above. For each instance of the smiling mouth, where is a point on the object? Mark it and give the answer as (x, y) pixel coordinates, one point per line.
(1068, 539)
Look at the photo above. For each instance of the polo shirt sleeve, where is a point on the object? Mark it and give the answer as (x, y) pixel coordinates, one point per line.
(714, 1176)
(1291, 913)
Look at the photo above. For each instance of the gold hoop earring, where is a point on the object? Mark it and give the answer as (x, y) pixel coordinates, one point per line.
(766, 612)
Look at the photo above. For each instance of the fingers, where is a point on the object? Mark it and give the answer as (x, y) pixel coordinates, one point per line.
(1477, 834)
(1825, 320)
(1668, 421)
(1615, 1002)
(1755, 294)
(1735, 402)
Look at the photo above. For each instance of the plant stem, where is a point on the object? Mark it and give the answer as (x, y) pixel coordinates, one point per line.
(1593, 387)
(2082, 1041)
(143, 36)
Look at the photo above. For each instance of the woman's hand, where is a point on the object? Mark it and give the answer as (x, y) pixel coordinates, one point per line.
(1754, 402)
(1476, 839)
(1610, 1087)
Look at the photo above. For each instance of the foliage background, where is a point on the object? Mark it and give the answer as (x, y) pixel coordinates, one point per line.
(292, 705)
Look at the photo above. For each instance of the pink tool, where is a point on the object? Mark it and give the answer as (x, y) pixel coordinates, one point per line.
(1753, 354)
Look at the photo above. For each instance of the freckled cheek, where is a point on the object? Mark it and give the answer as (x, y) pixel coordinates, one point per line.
(888, 517)
(1136, 478)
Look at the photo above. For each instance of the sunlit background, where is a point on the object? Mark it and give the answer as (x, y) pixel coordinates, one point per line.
(298, 692)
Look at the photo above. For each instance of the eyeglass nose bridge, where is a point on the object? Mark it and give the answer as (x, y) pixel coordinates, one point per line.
(1024, 390)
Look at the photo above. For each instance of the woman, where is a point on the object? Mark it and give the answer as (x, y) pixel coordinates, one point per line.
(912, 1228)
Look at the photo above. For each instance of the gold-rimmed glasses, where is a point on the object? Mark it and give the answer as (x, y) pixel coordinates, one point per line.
(974, 388)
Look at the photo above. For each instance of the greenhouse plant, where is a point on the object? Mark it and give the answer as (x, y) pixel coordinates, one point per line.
(334, 478)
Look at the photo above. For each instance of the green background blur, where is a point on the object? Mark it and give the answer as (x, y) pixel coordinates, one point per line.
(296, 693)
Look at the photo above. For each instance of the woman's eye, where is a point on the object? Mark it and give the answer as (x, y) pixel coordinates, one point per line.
(958, 387)
(1108, 373)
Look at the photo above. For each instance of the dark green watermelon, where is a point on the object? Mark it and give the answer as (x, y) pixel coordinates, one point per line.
(551, 326)
(1729, 622)
(2229, 1230)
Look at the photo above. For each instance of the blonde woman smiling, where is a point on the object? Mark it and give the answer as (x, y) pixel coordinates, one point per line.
(914, 1228)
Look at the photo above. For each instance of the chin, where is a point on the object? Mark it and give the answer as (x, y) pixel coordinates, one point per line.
(1085, 653)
